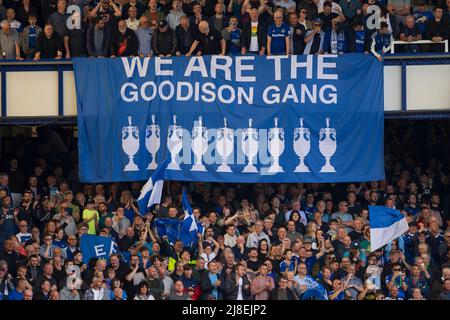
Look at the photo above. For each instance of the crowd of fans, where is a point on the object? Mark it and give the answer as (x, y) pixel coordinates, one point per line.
(36, 30)
(259, 241)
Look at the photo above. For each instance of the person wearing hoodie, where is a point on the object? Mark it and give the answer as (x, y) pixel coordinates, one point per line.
(173, 18)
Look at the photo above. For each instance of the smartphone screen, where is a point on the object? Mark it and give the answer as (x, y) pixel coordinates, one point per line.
(69, 211)
(53, 191)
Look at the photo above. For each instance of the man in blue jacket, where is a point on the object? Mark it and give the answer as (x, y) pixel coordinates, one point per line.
(381, 41)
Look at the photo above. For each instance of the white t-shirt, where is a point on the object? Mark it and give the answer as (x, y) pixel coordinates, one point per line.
(208, 258)
(22, 237)
(254, 37)
(240, 296)
(98, 294)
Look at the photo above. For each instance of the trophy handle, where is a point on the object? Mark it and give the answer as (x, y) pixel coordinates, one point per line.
(296, 134)
(333, 134)
(157, 132)
(322, 134)
(135, 133)
(124, 133)
(307, 134)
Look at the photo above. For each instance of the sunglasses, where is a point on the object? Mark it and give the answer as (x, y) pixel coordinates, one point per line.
(316, 24)
(397, 269)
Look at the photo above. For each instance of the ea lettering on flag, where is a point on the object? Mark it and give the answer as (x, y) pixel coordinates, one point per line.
(386, 224)
(97, 246)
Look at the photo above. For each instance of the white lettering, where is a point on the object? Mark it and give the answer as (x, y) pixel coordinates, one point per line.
(331, 98)
(277, 65)
(224, 67)
(244, 67)
(312, 96)
(210, 92)
(275, 97)
(99, 250)
(161, 90)
(159, 62)
(248, 96)
(222, 98)
(192, 67)
(290, 94)
(308, 64)
(129, 69)
(321, 65)
(133, 94)
(144, 94)
(180, 86)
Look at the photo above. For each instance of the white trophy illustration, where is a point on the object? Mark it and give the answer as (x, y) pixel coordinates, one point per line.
(174, 143)
(250, 145)
(130, 144)
(152, 142)
(327, 145)
(224, 145)
(199, 144)
(276, 147)
(302, 145)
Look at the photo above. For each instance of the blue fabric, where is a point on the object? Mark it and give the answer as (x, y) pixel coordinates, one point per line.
(360, 38)
(190, 226)
(169, 227)
(348, 92)
(383, 217)
(235, 42)
(96, 246)
(149, 188)
(15, 295)
(32, 37)
(315, 291)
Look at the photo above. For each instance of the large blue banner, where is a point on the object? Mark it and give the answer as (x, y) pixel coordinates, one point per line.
(231, 119)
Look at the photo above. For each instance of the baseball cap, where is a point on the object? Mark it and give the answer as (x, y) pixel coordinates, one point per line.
(317, 20)
(162, 24)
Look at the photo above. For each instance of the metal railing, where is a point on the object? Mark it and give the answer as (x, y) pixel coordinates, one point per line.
(445, 42)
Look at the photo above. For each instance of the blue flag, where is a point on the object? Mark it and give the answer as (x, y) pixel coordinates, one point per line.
(169, 227)
(190, 226)
(96, 246)
(386, 224)
(314, 291)
(152, 190)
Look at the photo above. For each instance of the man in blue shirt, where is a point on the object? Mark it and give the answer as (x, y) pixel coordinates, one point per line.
(278, 36)
(17, 294)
